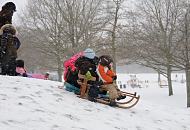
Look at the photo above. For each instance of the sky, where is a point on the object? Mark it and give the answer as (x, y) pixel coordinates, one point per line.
(21, 4)
(34, 104)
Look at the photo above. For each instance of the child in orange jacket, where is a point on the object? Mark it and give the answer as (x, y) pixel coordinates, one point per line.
(108, 77)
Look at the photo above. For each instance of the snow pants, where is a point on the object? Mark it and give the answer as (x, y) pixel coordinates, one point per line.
(8, 67)
(112, 89)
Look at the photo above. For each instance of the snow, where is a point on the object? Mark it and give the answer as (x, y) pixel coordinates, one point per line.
(34, 104)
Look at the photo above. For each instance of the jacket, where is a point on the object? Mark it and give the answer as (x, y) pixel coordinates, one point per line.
(105, 74)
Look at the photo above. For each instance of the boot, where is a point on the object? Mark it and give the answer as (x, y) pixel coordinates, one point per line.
(121, 97)
(112, 103)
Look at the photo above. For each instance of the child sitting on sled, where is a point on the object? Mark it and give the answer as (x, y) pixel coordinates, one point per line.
(76, 67)
(108, 77)
(86, 66)
(20, 70)
(71, 73)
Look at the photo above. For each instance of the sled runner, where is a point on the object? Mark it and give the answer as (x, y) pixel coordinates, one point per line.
(131, 100)
(122, 104)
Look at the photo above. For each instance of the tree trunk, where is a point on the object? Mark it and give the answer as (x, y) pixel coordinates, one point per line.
(188, 86)
(60, 75)
(159, 79)
(60, 69)
(114, 51)
(114, 33)
(169, 80)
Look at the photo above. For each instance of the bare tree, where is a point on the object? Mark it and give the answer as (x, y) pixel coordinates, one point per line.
(60, 27)
(182, 55)
(156, 35)
(114, 12)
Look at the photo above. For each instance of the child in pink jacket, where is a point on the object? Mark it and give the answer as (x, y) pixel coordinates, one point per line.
(20, 70)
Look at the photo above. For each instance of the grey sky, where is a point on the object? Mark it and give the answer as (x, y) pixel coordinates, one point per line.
(20, 4)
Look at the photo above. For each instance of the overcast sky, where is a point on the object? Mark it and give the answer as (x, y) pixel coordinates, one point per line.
(20, 4)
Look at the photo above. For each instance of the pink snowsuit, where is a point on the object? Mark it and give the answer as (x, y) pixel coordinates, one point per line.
(70, 63)
(38, 76)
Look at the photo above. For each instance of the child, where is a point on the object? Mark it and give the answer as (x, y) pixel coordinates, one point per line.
(86, 66)
(108, 77)
(20, 70)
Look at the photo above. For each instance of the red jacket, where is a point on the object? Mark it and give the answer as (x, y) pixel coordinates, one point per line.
(105, 74)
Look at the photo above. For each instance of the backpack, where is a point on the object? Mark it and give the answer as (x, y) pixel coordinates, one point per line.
(69, 65)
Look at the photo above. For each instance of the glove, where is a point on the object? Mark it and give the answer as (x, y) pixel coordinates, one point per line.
(24, 75)
(75, 72)
(114, 77)
(88, 75)
(99, 83)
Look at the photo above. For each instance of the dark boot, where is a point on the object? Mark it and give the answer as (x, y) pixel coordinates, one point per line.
(92, 99)
(121, 97)
(112, 103)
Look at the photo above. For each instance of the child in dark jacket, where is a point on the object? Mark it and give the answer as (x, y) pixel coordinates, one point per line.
(86, 66)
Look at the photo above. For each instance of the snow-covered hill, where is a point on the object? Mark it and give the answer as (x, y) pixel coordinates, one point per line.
(32, 104)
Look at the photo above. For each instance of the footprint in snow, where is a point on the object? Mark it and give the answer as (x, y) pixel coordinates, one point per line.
(119, 128)
(28, 87)
(4, 95)
(133, 112)
(88, 110)
(39, 85)
(5, 122)
(79, 128)
(139, 128)
(54, 127)
(38, 92)
(184, 127)
(25, 97)
(59, 100)
(57, 95)
(71, 117)
(107, 123)
(15, 88)
(49, 90)
(51, 86)
(158, 121)
(39, 110)
(13, 121)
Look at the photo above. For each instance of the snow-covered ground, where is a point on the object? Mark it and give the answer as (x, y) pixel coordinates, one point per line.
(33, 104)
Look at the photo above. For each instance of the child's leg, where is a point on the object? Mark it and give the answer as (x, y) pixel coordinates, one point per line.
(111, 88)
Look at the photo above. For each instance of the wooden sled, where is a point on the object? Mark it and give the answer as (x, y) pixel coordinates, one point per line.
(132, 101)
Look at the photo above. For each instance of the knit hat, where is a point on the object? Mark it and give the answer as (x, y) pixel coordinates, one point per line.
(8, 28)
(9, 6)
(89, 53)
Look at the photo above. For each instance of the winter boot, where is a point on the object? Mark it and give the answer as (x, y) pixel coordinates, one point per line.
(121, 97)
(112, 103)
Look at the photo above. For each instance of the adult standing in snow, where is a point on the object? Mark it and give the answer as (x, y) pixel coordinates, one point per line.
(8, 50)
(9, 43)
